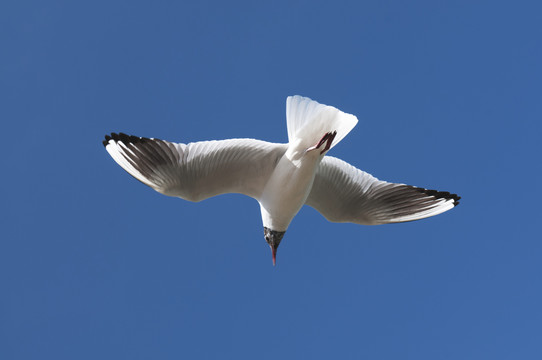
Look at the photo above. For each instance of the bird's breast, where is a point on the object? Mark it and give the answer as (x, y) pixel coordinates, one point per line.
(288, 188)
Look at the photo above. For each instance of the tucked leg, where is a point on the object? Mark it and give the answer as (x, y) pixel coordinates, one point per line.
(327, 139)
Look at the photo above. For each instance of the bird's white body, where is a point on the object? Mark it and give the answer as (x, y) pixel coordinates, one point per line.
(281, 177)
(288, 187)
(291, 181)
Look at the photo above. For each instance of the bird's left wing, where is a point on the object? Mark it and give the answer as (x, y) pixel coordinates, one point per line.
(343, 193)
(197, 171)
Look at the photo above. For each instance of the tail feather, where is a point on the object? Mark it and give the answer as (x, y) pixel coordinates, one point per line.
(308, 121)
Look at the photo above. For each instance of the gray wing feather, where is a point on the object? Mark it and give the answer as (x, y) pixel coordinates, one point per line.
(197, 171)
(342, 193)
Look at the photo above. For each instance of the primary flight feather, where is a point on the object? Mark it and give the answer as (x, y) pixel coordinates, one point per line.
(281, 177)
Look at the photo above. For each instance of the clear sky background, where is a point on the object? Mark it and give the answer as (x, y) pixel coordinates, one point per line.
(94, 265)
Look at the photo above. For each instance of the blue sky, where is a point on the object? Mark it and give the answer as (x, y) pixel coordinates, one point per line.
(95, 265)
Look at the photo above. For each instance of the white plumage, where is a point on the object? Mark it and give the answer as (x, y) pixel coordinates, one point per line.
(281, 177)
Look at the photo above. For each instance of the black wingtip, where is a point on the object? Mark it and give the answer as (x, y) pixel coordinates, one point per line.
(106, 141)
(441, 195)
(122, 137)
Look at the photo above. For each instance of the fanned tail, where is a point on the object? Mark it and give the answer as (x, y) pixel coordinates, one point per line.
(308, 121)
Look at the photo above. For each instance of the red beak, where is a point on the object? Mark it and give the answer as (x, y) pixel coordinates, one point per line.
(274, 252)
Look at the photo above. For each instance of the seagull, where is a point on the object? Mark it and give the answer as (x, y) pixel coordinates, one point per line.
(281, 177)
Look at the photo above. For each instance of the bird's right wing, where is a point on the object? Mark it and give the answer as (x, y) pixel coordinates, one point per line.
(343, 193)
(197, 171)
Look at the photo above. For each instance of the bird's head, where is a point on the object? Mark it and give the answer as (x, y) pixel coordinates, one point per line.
(273, 238)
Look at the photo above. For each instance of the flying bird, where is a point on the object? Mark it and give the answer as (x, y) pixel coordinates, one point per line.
(281, 177)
